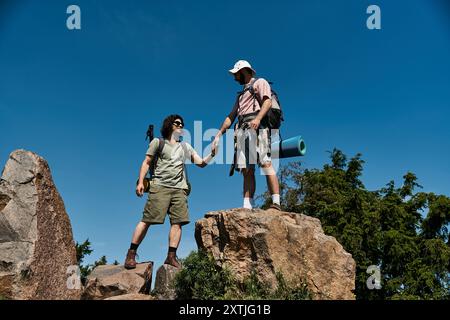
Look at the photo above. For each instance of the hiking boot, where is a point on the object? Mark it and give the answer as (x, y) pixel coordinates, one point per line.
(130, 261)
(275, 206)
(172, 260)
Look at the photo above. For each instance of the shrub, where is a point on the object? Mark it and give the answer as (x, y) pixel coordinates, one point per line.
(201, 279)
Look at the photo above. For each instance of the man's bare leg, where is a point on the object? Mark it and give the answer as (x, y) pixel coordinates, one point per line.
(139, 233)
(272, 184)
(174, 235)
(174, 241)
(249, 187)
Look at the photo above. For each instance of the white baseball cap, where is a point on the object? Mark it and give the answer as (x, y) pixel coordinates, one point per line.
(241, 64)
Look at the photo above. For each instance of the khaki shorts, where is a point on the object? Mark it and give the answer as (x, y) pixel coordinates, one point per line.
(253, 147)
(162, 200)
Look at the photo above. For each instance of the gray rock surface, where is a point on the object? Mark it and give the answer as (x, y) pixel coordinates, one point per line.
(36, 241)
(164, 282)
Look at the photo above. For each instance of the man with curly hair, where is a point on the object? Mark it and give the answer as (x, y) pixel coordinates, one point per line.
(168, 187)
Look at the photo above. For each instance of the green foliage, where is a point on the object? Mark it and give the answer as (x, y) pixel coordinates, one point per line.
(83, 250)
(403, 232)
(100, 262)
(253, 289)
(286, 291)
(201, 279)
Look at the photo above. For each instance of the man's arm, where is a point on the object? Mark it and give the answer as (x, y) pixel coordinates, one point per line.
(199, 162)
(144, 168)
(142, 173)
(225, 125)
(263, 91)
(228, 120)
(267, 104)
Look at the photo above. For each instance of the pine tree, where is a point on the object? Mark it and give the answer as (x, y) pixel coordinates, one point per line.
(403, 232)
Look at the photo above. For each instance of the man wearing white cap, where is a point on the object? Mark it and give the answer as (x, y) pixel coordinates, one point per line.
(252, 104)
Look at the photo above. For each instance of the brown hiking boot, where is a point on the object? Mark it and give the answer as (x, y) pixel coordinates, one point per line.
(172, 260)
(275, 206)
(130, 261)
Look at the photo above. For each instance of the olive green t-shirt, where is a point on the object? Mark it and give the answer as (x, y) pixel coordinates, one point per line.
(169, 170)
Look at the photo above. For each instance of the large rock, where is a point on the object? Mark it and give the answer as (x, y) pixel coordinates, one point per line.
(36, 242)
(165, 282)
(110, 280)
(270, 241)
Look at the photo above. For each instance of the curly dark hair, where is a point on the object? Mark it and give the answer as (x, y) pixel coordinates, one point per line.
(166, 128)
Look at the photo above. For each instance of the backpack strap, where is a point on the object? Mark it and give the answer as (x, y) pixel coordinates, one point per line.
(252, 91)
(183, 145)
(158, 153)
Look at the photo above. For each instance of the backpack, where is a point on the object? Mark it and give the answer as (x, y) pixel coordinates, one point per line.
(274, 116)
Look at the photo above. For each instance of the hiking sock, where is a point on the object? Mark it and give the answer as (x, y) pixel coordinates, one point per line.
(248, 203)
(134, 246)
(276, 199)
(172, 249)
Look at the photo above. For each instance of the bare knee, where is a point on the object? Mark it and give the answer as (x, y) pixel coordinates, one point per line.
(267, 165)
(143, 225)
(268, 169)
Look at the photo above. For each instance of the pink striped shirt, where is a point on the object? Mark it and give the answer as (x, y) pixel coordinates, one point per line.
(244, 104)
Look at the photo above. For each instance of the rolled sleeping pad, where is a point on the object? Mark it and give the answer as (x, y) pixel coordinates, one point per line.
(288, 148)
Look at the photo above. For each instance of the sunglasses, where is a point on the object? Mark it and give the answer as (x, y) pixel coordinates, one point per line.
(179, 124)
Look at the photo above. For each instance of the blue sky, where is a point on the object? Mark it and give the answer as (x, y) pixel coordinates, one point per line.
(83, 99)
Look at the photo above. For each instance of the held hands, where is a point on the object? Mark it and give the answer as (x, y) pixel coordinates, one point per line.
(215, 144)
(140, 189)
(214, 148)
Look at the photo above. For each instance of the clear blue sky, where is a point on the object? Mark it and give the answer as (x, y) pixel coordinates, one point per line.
(83, 99)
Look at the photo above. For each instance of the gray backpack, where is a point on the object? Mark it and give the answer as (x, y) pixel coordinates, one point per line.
(274, 116)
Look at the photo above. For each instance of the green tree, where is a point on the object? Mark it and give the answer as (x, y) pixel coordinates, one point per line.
(403, 232)
(83, 250)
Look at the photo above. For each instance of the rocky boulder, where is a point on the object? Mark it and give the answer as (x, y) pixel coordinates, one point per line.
(164, 282)
(37, 250)
(270, 241)
(110, 281)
